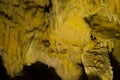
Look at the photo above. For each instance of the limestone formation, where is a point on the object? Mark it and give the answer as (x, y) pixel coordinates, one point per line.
(72, 36)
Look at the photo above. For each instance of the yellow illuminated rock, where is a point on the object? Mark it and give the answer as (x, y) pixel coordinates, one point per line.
(75, 37)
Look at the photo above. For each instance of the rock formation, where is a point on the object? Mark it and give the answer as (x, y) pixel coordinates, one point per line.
(75, 37)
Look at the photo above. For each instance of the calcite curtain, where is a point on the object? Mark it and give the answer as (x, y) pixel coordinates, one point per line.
(75, 37)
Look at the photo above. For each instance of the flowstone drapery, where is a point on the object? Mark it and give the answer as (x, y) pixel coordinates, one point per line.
(75, 37)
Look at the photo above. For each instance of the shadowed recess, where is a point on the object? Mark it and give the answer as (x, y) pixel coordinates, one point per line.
(38, 71)
(115, 66)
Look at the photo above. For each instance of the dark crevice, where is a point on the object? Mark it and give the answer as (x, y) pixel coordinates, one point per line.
(32, 30)
(3, 73)
(47, 8)
(46, 43)
(84, 75)
(38, 71)
(115, 66)
(5, 15)
(34, 6)
(89, 19)
(92, 77)
(92, 37)
(95, 24)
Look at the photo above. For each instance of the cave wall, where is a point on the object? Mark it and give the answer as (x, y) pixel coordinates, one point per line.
(72, 36)
(19, 21)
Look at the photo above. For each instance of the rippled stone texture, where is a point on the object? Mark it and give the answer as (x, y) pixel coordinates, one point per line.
(75, 37)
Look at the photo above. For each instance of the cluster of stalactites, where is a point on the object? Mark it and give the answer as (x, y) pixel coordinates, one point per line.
(110, 44)
(109, 8)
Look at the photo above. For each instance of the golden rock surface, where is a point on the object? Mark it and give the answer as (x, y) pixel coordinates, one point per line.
(61, 34)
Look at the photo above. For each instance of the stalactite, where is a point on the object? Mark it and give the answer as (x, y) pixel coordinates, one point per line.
(110, 45)
(105, 44)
